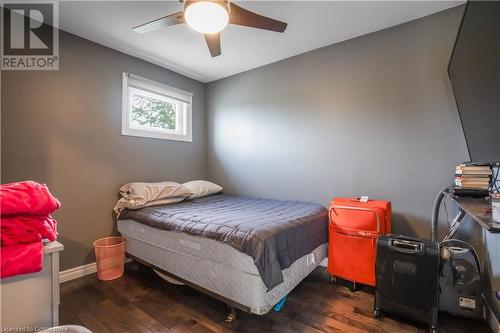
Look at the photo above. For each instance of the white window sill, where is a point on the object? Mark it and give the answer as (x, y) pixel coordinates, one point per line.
(157, 135)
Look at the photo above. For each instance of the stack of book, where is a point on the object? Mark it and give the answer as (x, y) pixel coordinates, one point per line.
(473, 176)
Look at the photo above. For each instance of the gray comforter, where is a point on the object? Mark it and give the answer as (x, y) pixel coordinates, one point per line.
(274, 233)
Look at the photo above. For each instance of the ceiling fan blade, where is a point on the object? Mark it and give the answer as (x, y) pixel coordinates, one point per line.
(165, 21)
(213, 42)
(241, 16)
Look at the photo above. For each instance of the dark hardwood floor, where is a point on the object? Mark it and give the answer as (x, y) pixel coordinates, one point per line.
(140, 301)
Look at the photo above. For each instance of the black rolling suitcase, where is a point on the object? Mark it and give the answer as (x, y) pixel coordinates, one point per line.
(407, 273)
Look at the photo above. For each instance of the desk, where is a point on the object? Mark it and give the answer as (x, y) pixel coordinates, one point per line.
(476, 208)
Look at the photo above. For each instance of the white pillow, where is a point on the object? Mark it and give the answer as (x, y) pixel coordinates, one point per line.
(138, 195)
(201, 188)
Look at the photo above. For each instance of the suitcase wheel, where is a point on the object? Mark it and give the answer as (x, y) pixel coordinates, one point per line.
(376, 313)
(355, 287)
(333, 279)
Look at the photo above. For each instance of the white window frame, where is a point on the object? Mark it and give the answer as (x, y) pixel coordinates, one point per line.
(183, 99)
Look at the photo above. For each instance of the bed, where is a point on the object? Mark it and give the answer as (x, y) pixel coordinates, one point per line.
(248, 252)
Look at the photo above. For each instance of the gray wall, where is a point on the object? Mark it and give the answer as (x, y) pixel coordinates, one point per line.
(374, 116)
(64, 128)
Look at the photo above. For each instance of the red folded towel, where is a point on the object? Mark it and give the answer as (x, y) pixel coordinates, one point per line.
(25, 220)
(21, 259)
(27, 198)
(27, 229)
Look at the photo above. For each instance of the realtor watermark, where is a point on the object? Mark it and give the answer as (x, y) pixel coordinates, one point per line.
(30, 35)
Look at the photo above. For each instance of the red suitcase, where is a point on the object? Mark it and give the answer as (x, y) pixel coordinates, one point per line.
(353, 231)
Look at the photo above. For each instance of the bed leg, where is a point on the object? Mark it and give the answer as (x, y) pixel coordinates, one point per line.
(231, 316)
(135, 266)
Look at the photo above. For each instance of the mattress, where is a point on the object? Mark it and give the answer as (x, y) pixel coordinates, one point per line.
(213, 265)
(275, 233)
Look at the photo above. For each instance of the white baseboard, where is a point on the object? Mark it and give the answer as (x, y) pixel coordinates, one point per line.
(80, 271)
(77, 272)
(324, 262)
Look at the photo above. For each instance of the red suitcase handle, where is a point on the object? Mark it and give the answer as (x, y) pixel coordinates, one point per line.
(356, 232)
(333, 207)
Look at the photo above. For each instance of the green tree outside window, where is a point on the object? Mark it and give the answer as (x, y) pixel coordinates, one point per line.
(150, 112)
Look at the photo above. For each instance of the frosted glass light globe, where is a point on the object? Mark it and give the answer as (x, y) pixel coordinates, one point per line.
(206, 17)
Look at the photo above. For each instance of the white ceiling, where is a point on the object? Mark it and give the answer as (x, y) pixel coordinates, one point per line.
(311, 25)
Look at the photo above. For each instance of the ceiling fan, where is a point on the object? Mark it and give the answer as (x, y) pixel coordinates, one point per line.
(210, 17)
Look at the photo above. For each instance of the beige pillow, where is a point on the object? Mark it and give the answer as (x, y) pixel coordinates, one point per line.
(201, 188)
(138, 195)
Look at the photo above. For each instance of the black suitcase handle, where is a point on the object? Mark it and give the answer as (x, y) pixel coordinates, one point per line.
(406, 246)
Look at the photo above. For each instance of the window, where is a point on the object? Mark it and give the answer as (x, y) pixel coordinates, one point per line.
(155, 110)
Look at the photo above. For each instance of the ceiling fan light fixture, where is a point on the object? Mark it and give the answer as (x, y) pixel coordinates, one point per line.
(207, 17)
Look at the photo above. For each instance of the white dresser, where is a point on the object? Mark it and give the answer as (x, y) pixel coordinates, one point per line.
(32, 300)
